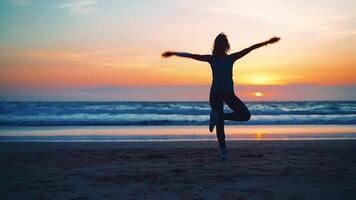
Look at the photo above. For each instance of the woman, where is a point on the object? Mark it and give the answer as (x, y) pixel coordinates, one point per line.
(222, 88)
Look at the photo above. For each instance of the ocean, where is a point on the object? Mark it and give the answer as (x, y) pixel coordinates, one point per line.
(18, 117)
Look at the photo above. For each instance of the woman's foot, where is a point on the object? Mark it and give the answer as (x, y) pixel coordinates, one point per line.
(223, 154)
(214, 117)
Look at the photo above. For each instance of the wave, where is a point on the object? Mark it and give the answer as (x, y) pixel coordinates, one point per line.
(154, 119)
(169, 113)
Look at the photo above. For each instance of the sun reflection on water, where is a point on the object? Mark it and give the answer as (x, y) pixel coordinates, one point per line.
(258, 135)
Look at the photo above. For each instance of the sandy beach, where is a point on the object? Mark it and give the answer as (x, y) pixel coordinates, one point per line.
(322, 169)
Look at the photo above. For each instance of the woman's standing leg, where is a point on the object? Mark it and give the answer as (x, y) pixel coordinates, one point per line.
(217, 106)
(220, 133)
(241, 112)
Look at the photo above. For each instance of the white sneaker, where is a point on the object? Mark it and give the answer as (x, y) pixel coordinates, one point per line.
(213, 120)
(223, 155)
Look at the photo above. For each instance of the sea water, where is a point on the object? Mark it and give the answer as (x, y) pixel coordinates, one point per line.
(182, 120)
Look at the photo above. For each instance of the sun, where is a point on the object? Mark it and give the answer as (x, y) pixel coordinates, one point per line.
(258, 94)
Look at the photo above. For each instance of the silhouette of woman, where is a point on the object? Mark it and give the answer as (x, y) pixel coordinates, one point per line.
(222, 88)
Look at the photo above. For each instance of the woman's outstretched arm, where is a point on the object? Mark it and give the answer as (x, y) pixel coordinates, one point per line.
(205, 58)
(242, 53)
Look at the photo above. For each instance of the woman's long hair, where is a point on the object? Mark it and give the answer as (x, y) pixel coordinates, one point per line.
(221, 45)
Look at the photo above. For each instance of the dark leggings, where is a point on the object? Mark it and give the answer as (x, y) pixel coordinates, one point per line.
(241, 113)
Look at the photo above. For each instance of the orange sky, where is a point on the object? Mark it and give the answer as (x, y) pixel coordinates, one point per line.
(95, 44)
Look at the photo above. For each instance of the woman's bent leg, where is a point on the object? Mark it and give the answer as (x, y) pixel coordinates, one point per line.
(241, 112)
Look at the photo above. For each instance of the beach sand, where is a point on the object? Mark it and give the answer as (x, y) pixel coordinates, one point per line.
(320, 169)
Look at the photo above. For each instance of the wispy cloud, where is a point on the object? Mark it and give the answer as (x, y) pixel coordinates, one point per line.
(20, 2)
(79, 7)
(108, 58)
(337, 34)
(317, 18)
(52, 55)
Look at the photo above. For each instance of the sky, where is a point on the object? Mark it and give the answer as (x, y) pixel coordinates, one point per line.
(97, 50)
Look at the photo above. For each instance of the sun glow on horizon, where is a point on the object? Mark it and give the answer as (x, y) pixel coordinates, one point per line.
(263, 79)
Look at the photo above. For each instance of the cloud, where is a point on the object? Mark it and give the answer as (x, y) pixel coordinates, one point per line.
(108, 58)
(337, 34)
(20, 2)
(79, 7)
(321, 19)
(52, 55)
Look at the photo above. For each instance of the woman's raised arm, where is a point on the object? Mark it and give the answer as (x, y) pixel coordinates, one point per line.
(204, 58)
(242, 53)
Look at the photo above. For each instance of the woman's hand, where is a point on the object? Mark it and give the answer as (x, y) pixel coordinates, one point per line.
(273, 40)
(167, 54)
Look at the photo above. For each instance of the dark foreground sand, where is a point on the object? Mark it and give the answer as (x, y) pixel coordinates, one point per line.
(178, 170)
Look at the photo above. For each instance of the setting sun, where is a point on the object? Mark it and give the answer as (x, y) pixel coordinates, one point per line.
(258, 94)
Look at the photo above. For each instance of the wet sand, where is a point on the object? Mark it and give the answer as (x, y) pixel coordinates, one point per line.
(320, 169)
